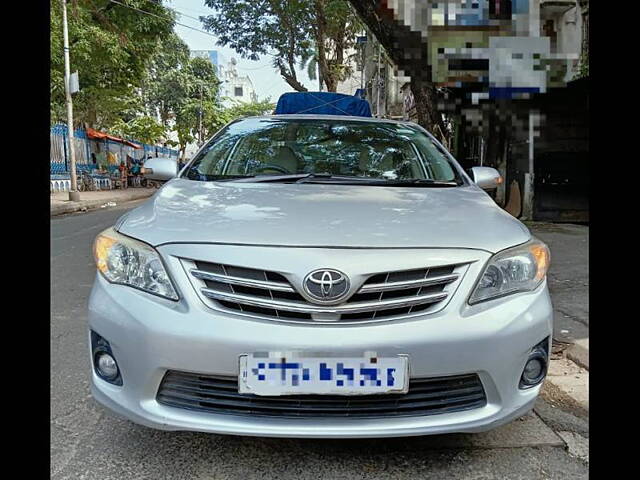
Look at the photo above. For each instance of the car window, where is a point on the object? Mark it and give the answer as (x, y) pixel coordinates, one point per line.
(274, 146)
(212, 158)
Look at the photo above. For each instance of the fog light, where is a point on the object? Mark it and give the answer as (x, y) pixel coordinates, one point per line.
(104, 361)
(106, 366)
(536, 367)
(532, 370)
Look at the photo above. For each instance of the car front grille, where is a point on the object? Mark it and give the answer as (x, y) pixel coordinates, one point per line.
(219, 394)
(270, 295)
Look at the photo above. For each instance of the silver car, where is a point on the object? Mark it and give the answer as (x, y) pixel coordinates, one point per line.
(320, 276)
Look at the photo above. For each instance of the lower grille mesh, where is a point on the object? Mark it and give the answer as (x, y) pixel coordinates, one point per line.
(217, 394)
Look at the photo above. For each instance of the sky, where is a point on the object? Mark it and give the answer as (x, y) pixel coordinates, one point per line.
(266, 81)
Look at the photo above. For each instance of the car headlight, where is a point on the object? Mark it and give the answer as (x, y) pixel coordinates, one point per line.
(516, 269)
(127, 261)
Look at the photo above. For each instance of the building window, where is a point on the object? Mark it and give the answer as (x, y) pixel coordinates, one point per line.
(500, 9)
(237, 91)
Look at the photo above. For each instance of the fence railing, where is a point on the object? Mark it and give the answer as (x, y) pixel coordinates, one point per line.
(85, 146)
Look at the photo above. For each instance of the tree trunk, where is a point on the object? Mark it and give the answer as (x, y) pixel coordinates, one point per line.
(292, 80)
(319, 30)
(424, 95)
(295, 84)
(331, 83)
(408, 51)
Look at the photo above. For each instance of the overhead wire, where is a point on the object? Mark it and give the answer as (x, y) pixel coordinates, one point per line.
(163, 18)
(191, 28)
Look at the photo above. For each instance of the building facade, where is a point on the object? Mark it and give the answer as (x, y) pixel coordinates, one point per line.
(233, 87)
(511, 74)
(376, 76)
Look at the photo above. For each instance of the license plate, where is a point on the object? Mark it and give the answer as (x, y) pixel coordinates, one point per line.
(277, 373)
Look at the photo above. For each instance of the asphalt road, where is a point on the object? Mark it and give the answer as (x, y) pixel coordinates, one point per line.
(568, 277)
(87, 442)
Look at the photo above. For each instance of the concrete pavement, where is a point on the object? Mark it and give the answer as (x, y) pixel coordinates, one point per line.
(60, 203)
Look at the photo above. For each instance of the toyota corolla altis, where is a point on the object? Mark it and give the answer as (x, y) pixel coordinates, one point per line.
(320, 276)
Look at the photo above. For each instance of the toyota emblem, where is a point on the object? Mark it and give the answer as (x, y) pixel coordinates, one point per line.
(326, 285)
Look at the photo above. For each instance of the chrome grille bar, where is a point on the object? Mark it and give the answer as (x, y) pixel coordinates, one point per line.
(300, 307)
(246, 282)
(407, 284)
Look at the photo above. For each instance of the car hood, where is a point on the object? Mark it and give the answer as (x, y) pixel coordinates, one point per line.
(323, 215)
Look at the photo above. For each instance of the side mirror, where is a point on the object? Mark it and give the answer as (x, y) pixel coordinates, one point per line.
(486, 178)
(160, 169)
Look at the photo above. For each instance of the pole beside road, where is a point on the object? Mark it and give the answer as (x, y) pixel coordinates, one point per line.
(74, 196)
(200, 118)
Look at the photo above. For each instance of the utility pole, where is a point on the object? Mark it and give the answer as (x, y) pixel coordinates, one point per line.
(74, 196)
(379, 79)
(362, 67)
(200, 119)
(527, 197)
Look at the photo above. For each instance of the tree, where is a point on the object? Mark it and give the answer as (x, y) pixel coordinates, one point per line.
(240, 110)
(177, 88)
(253, 109)
(583, 66)
(143, 129)
(408, 50)
(291, 31)
(259, 28)
(200, 103)
(334, 29)
(110, 45)
(166, 83)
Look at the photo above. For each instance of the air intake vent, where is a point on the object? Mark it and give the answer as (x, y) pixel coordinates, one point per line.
(217, 394)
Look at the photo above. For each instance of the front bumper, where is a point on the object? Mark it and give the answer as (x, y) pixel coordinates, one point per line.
(149, 336)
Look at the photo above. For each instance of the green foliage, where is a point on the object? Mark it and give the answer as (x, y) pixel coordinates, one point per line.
(237, 110)
(166, 82)
(200, 101)
(309, 61)
(133, 69)
(253, 28)
(291, 31)
(110, 46)
(143, 129)
(583, 67)
(176, 86)
(342, 27)
(279, 28)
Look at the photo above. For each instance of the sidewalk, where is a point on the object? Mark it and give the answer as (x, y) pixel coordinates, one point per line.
(60, 203)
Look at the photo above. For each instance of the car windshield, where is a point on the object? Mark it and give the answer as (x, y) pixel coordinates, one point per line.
(322, 150)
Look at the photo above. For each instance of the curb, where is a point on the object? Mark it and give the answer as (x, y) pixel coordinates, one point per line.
(578, 352)
(567, 384)
(94, 204)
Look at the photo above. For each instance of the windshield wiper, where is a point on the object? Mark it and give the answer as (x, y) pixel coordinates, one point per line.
(336, 179)
(294, 177)
(421, 182)
(381, 182)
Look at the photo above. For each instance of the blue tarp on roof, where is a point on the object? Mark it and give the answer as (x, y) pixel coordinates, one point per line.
(322, 103)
